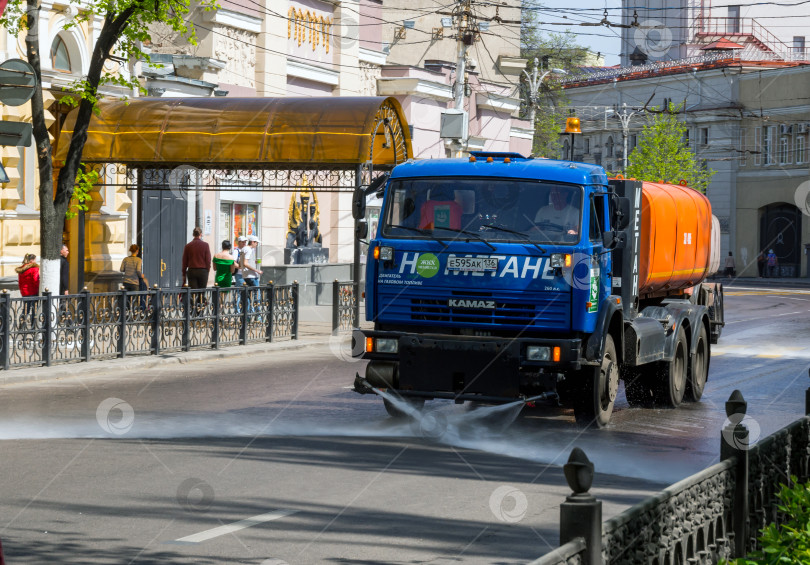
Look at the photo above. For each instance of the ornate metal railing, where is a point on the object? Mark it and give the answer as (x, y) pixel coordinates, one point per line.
(344, 299)
(715, 514)
(45, 330)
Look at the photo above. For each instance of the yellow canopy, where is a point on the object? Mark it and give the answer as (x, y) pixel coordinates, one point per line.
(250, 132)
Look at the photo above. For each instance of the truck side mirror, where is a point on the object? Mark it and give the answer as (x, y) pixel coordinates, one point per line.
(614, 239)
(361, 231)
(359, 205)
(621, 212)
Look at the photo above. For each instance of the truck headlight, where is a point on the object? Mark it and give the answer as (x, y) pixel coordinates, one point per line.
(538, 353)
(387, 345)
(386, 253)
(560, 260)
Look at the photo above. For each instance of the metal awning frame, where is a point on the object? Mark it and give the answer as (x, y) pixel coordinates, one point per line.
(276, 178)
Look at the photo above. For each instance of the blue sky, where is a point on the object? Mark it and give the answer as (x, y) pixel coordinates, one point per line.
(597, 39)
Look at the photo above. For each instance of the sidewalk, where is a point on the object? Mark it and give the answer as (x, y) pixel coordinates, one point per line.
(756, 282)
(314, 329)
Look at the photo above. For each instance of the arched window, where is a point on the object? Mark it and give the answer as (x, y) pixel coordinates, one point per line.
(60, 58)
(609, 146)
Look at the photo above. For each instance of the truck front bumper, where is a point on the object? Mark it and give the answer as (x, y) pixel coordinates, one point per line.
(490, 366)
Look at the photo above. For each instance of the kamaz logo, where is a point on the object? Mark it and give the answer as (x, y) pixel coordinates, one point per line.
(458, 303)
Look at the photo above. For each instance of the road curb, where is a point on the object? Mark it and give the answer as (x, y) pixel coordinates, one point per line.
(68, 370)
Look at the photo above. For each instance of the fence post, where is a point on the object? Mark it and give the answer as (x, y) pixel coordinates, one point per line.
(335, 307)
(6, 334)
(581, 513)
(271, 305)
(735, 444)
(87, 329)
(49, 319)
(807, 398)
(186, 318)
(295, 295)
(216, 296)
(122, 333)
(157, 320)
(246, 305)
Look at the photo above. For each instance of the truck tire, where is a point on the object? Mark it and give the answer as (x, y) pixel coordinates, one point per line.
(670, 383)
(593, 404)
(397, 413)
(698, 367)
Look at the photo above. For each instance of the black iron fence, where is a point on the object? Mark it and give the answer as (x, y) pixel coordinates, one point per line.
(715, 514)
(49, 329)
(344, 300)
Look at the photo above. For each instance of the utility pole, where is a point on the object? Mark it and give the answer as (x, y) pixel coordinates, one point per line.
(464, 38)
(624, 118)
(534, 86)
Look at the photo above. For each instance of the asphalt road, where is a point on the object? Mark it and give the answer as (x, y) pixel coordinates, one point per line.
(270, 459)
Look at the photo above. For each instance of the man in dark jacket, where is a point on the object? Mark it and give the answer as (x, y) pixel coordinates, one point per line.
(64, 271)
(196, 261)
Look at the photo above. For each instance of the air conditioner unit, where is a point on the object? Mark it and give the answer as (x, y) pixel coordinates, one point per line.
(802, 128)
(454, 124)
(785, 129)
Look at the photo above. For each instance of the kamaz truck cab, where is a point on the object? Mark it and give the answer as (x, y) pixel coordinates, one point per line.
(485, 281)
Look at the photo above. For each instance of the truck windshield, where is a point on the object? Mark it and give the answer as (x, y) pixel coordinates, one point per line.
(495, 209)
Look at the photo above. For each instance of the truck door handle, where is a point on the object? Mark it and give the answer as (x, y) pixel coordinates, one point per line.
(162, 267)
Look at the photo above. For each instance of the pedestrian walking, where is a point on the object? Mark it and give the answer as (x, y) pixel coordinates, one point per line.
(730, 265)
(250, 271)
(247, 261)
(132, 267)
(64, 270)
(224, 266)
(241, 241)
(196, 261)
(28, 280)
(772, 263)
(761, 264)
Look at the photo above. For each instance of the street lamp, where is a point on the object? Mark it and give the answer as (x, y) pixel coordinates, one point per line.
(534, 85)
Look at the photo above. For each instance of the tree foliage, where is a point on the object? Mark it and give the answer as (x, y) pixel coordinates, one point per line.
(124, 30)
(662, 154)
(547, 51)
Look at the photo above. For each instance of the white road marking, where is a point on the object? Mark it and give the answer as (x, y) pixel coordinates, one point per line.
(236, 526)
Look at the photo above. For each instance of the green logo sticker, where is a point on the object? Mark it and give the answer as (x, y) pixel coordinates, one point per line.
(593, 295)
(427, 265)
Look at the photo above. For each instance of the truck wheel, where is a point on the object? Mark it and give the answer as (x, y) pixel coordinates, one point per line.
(396, 412)
(594, 403)
(671, 382)
(698, 367)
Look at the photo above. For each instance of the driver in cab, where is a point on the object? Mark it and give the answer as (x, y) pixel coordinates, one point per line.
(559, 217)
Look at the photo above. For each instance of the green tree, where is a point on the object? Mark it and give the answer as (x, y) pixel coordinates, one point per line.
(547, 51)
(662, 153)
(125, 27)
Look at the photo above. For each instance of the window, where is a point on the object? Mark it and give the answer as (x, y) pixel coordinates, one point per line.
(768, 139)
(587, 145)
(687, 138)
(733, 24)
(704, 136)
(597, 217)
(60, 58)
(798, 43)
(609, 146)
(743, 152)
(758, 146)
(238, 219)
(633, 142)
(784, 150)
(800, 142)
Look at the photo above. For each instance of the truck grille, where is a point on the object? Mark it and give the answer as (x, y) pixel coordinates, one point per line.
(513, 310)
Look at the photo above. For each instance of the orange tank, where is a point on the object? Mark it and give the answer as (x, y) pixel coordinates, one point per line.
(676, 235)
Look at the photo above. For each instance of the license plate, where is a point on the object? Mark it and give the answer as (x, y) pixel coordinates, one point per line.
(472, 263)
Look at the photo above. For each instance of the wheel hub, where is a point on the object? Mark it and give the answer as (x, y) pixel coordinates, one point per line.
(611, 376)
